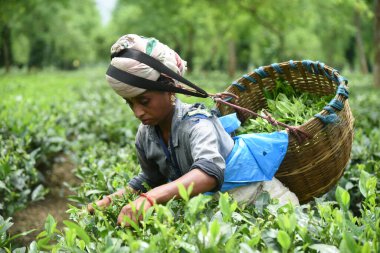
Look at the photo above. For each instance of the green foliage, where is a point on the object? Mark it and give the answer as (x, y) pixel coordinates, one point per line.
(185, 193)
(183, 226)
(49, 30)
(97, 130)
(213, 34)
(286, 105)
(210, 35)
(19, 179)
(5, 240)
(36, 129)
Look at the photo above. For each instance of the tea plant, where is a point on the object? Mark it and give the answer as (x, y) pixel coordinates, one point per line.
(219, 224)
(35, 130)
(19, 179)
(286, 105)
(85, 120)
(6, 240)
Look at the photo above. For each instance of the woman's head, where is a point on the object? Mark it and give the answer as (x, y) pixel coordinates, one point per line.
(151, 47)
(152, 107)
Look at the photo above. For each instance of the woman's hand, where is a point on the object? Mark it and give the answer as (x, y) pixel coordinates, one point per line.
(162, 194)
(106, 201)
(132, 210)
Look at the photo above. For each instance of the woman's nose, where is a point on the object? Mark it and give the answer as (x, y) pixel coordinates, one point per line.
(138, 111)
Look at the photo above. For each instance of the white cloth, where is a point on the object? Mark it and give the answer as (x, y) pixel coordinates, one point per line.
(150, 46)
(248, 194)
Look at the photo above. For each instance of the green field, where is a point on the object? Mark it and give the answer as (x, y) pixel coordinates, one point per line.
(50, 113)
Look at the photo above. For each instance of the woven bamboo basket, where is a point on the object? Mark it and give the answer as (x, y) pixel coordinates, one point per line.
(313, 167)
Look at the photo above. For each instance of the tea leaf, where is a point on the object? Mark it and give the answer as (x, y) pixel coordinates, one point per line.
(287, 222)
(50, 225)
(364, 176)
(79, 231)
(343, 198)
(226, 207)
(348, 243)
(183, 192)
(324, 248)
(283, 239)
(215, 230)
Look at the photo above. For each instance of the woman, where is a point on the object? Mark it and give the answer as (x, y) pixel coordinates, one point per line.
(177, 143)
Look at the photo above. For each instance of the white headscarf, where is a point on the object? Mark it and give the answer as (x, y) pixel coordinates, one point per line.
(150, 46)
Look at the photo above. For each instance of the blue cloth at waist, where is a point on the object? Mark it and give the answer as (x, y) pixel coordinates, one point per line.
(255, 157)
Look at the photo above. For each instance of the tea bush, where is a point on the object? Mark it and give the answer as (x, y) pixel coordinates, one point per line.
(82, 117)
(37, 127)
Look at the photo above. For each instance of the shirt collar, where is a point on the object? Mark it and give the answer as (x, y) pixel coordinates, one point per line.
(180, 111)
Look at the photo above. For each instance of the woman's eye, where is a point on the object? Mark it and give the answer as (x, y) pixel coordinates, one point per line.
(144, 101)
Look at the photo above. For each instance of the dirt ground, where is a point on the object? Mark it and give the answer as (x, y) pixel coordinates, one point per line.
(55, 203)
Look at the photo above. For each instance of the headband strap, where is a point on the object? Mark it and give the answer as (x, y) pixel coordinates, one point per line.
(147, 84)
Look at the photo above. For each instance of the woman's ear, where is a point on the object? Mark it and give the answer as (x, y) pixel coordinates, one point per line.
(173, 98)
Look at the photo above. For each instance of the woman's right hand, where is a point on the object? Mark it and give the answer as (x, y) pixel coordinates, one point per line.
(106, 201)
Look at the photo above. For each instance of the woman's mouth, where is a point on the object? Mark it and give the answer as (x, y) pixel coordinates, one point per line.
(146, 121)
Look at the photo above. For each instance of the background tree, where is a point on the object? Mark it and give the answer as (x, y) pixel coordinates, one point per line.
(221, 35)
(376, 68)
(39, 33)
(11, 12)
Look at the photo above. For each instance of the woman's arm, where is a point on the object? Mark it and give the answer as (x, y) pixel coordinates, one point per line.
(162, 194)
(202, 183)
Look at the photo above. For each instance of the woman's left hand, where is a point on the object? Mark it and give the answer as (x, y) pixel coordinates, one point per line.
(131, 212)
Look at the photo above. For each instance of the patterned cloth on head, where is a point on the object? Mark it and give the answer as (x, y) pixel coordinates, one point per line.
(150, 46)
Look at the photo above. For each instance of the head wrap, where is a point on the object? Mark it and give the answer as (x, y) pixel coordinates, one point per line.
(150, 46)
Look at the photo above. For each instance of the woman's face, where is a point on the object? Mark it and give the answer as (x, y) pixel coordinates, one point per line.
(152, 107)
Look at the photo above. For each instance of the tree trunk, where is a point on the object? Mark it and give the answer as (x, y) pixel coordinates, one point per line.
(6, 47)
(360, 45)
(376, 69)
(231, 58)
(349, 53)
(190, 48)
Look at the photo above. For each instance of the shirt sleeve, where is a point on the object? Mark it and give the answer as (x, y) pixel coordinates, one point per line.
(205, 151)
(150, 173)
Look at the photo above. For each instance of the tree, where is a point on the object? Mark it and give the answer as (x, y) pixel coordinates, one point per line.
(376, 68)
(58, 33)
(226, 35)
(360, 44)
(172, 22)
(11, 11)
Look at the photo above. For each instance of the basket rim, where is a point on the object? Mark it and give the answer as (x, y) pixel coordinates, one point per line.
(312, 68)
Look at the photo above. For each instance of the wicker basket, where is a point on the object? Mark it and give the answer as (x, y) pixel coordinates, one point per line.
(313, 167)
